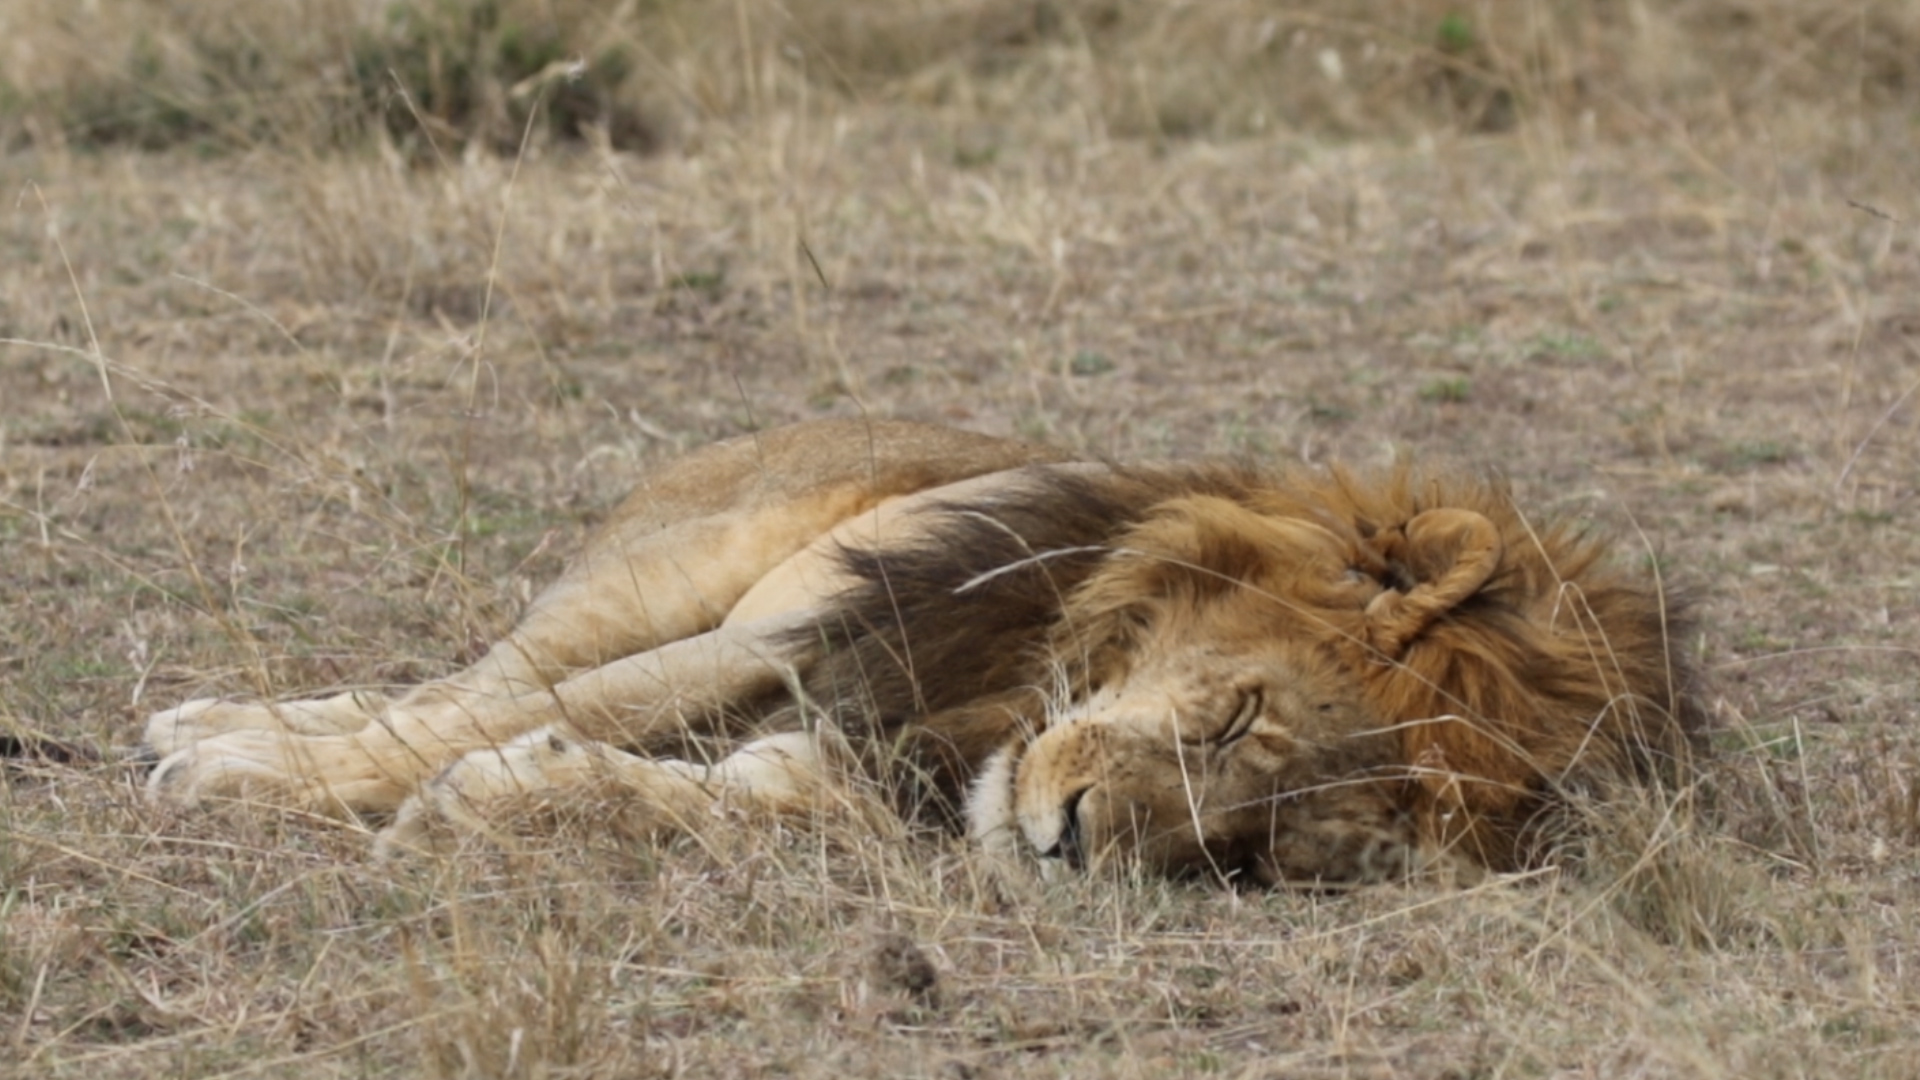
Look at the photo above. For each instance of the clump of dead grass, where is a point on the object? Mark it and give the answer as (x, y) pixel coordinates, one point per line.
(1669, 870)
(437, 74)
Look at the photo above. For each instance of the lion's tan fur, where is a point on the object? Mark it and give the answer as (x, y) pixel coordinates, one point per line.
(1291, 676)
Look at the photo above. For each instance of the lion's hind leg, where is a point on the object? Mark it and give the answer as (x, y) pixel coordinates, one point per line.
(552, 773)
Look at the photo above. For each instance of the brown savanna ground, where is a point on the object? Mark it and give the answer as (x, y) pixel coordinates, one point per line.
(291, 399)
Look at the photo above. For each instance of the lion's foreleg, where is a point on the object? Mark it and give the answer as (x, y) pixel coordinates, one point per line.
(683, 685)
(183, 725)
(551, 772)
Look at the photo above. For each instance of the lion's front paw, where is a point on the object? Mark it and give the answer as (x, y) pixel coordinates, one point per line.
(460, 798)
(172, 730)
(335, 774)
(228, 764)
(548, 770)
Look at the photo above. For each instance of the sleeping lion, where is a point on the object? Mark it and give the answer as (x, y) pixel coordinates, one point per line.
(1284, 677)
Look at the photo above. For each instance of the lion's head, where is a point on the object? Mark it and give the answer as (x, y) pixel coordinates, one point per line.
(1334, 680)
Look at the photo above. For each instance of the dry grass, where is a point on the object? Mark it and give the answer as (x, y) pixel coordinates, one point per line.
(305, 72)
(283, 418)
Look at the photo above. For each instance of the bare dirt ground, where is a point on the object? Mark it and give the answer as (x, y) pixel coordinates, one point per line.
(275, 422)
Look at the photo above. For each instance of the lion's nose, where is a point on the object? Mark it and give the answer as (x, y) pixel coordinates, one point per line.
(1067, 847)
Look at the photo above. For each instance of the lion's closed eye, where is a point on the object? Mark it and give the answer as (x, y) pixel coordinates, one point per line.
(1252, 702)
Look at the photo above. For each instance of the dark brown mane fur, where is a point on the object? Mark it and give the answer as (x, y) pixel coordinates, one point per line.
(1566, 670)
(939, 653)
(1562, 669)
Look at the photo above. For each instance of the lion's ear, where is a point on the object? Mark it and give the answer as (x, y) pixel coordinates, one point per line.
(1449, 554)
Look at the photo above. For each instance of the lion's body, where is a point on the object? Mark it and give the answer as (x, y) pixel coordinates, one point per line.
(1291, 676)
